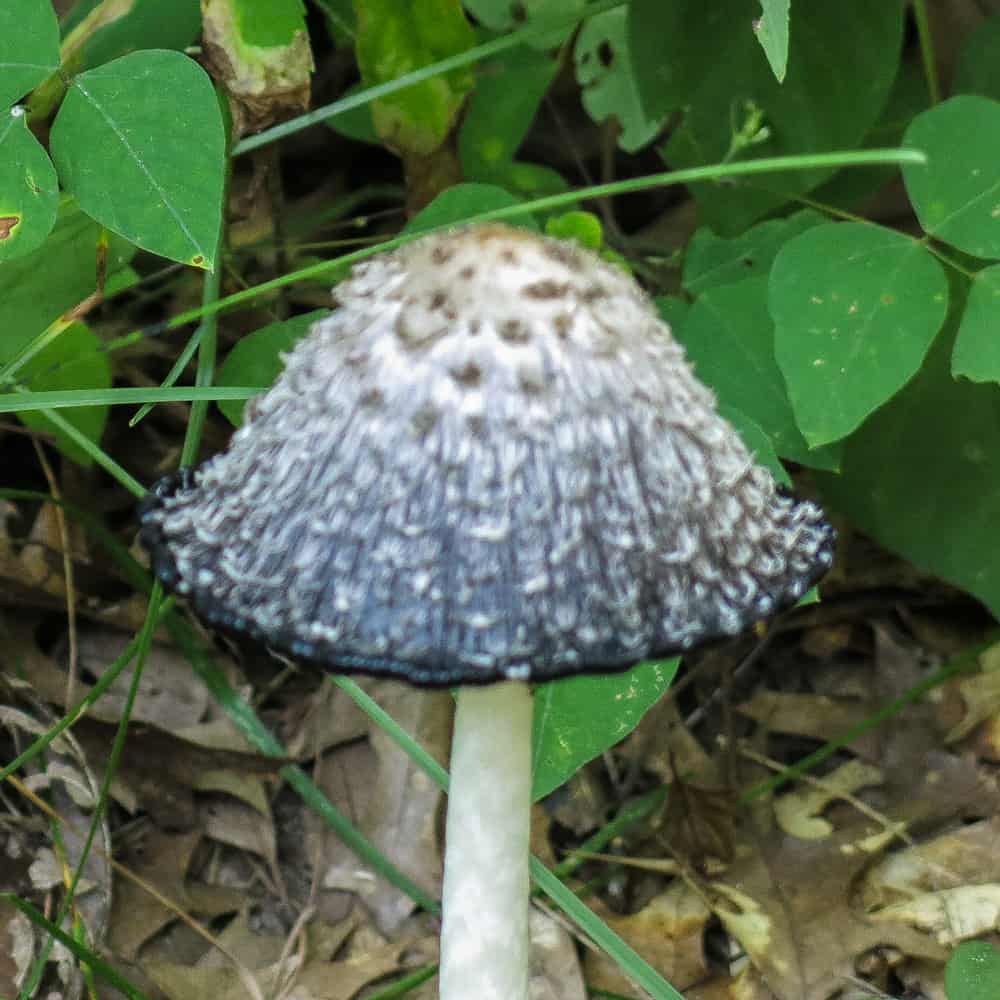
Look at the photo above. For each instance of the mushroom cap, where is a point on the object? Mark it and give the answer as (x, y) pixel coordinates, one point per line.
(492, 461)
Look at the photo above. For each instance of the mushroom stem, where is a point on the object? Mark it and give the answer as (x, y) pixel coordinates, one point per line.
(484, 934)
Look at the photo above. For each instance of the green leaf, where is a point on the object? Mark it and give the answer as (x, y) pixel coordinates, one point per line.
(852, 187)
(341, 19)
(704, 58)
(957, 195)
(729, 337)
(604, 72)
(711, 261)
(526, 180)
(977, 70)
(72, 361)
(921, 477)
(29, 46)
(140, 143)
(977, 347)
(394, 39)
(269, 23)
(673, 311)
(584, 227)
(508, 91)
(29, 190)
(855, 308)
(355, 123)
(973, 972)
(256, 358)
(505, 15)
(38, 288)
(462, 202)
(757, 441)
(772, 33)
(141, 24)
(577, 719)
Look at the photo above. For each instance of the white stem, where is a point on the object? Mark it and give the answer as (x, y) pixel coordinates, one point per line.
(484, 935)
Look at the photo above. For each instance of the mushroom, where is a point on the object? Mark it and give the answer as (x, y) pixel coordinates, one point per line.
(490, 466)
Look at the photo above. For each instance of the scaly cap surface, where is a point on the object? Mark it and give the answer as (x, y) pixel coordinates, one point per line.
(491, 461)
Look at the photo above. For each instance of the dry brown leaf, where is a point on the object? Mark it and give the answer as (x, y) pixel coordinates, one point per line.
(816, 716)
(402, 818)
(668, 932)
(233, 822)
(162, 860)
(799, 812)
(951, 915)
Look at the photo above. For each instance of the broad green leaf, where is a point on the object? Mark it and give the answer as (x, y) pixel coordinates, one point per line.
(394, 39)
(579, 718)
(508, 91)
(604, 72)
(729, 337)
(29, 46)
(256, 358)
(355, 123)
(855, 308)
(673, 311)
(38, 288)
(852, 187)
(140, 143)
(757, 441)
(711, 261)
(977, 70)
(921, 477)
(771, 30)
(705, 59)
(139, 24)
(957, 195)
(73, 360)
(259, 51)
(525, 180)
(506, 15)
(342, 20)
(29, 190)
(462, 202)
(977, 347)
(973, 972)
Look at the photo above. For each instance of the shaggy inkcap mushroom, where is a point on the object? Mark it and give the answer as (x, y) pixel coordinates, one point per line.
(491, 463)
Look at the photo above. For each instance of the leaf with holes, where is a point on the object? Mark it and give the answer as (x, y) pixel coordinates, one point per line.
(977, 347)
(577, 719)
(855, 308)
(604, 72)
(771, 30)
(729, 337)
(29, 47)
(73, 360)
(957, 195)
(29, 191)
(256, 358)
(140, 143)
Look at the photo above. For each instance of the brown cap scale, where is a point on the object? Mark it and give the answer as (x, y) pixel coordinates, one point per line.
(492, 461)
